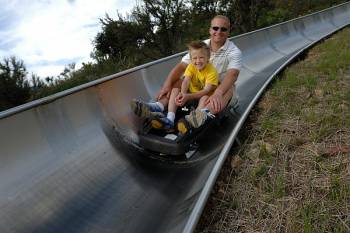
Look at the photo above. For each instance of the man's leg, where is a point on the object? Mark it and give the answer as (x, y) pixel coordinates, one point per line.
(146, 109)
(225, 100)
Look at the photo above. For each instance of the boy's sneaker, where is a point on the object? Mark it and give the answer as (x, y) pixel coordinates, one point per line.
(162, 123)
(197, 118)
(143, 109)
(183, 126)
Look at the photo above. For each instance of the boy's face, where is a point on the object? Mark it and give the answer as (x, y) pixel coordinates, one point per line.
(199, 58)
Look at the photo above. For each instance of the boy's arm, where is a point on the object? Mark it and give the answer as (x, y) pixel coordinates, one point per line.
(211, 80)
(185, 84)
(206, 90)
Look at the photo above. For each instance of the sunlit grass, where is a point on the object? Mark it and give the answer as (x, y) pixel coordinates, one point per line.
(291, 179)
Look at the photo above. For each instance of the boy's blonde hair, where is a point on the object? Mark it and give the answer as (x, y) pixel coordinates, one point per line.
(199, 45)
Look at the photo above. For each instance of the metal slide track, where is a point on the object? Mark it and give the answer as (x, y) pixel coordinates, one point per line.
(70, 162)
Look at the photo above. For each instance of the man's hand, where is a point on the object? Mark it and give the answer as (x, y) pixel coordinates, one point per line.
(215, 102)
(173, 80)
(165, 91)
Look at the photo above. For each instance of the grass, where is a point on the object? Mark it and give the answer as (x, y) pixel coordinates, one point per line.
(294, 169)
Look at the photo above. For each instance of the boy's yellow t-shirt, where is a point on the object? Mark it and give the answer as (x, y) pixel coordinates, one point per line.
(200, 78)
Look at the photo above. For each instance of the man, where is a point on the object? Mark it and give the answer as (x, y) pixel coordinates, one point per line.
(226, 58)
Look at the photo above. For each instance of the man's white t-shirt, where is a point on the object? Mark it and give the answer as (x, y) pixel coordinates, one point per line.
(229, 56)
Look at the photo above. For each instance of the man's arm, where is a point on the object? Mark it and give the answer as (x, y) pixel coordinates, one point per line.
(228, 81)
(217, 101)
(172, 78)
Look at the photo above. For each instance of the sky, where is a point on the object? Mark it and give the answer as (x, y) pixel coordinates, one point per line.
(50, 34)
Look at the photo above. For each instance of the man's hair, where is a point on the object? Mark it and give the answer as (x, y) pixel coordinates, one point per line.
(222, 17)
(199, 45)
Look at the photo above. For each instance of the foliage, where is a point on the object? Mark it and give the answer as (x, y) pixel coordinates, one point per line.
(14, 88)
(111, 44)
(37, 87)
(245, 14)
(152, 30)
(155, 29)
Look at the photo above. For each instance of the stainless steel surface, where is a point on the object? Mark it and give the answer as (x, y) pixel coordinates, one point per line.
(70, 162)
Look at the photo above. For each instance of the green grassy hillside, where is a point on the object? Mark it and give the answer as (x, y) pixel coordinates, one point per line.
(292, 173)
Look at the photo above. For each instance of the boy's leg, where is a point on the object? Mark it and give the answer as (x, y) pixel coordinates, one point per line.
(167, 122)
(172, 105)
(201, 103)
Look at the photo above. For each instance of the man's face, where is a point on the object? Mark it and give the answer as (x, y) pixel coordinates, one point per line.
(219, 30)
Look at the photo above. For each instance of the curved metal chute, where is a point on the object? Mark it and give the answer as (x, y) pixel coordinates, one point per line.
(71, 162)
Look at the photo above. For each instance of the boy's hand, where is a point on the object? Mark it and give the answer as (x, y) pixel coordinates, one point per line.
(181, 99)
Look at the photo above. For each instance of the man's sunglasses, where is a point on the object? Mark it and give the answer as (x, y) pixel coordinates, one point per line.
(223, 29)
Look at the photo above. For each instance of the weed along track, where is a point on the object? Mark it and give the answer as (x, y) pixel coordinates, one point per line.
(292, 173)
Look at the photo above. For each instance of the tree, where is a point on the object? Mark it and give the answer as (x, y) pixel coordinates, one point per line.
(167, 24)
(118, 39)
(201, 12)
(245, 14)
(38, 87)
(154, 29)
(68, 71)
(14, 88)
